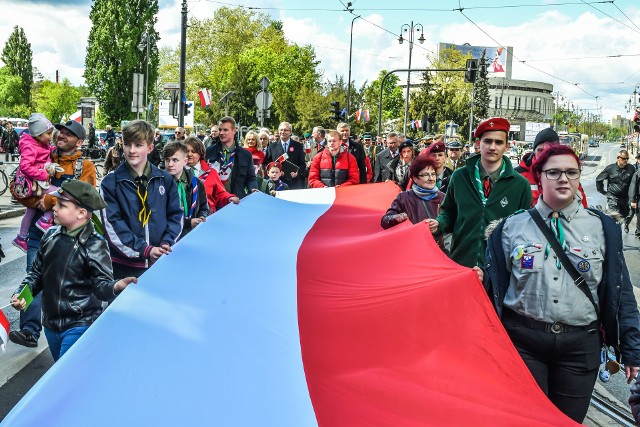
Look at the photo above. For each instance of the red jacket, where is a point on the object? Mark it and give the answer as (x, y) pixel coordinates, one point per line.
(217, 195)
(525, 170)
(322, 173)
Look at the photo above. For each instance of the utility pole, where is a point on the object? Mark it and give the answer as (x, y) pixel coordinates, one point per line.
(183, 60)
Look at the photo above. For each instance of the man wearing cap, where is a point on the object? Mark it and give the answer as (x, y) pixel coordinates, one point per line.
(370, 150)
(454, 160)
(68, 155)
(484, 190)
(436, 152)
(544, 139)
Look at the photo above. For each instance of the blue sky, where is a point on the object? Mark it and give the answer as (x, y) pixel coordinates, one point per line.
(599, 37)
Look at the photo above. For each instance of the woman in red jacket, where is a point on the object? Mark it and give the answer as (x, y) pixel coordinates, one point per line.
(333, 166)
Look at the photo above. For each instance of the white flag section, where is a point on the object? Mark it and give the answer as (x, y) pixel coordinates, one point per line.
(208, 337)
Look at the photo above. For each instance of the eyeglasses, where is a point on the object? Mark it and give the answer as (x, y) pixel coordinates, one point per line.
(454, 149)
(555, 174)
(623, 158)
(177, 133)
(428, 175)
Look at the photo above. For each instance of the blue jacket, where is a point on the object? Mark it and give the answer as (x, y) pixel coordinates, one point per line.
(129, 242)
(618, 309)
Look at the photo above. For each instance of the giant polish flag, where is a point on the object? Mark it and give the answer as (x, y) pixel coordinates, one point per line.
(296, 311)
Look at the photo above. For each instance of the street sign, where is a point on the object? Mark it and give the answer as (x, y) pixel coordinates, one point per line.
(264, 99)
(264, 83)
(263, 114)
(171, 86)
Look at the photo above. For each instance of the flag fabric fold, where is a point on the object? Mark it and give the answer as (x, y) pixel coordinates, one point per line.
(330, 321)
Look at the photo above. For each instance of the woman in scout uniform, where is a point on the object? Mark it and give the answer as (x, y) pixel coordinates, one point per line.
(555, 324)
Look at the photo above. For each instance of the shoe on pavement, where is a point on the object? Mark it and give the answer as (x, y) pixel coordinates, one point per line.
(626, 228)
(44, 224)
(23, 338)
(20, 243)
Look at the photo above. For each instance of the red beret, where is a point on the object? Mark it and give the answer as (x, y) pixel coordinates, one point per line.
(437, 147)
(494, 123)
(274, 165)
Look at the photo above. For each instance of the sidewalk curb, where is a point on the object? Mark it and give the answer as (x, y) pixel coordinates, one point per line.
(12, 213)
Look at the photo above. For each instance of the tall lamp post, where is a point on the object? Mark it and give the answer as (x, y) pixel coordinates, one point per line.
(350, 53)
(410, 29)
(145, 44)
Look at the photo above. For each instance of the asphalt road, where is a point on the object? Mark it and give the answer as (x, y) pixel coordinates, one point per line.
(12, 271)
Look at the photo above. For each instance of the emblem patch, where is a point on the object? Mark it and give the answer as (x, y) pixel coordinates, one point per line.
(526, 262)
(291, 149)
(161, 190)
(504, 202)
(584, 266)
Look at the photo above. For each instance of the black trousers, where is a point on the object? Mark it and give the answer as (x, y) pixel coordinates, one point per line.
(618, 204)
(629, 218)
(565, 365)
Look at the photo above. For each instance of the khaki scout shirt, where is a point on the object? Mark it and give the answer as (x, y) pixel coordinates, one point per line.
(537, 288)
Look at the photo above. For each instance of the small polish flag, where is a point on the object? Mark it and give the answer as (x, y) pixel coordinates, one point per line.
(358, 113)
(4, 330)
(205, 97)
(282, 158)
(365, 115)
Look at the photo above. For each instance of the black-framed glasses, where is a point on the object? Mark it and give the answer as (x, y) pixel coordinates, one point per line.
(555, 174)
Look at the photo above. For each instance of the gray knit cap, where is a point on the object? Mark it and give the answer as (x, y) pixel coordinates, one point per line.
(38, 124)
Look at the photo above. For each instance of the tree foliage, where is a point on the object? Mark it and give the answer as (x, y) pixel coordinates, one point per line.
(481, 97)
(57, 101)
(10, 100)
(392, 99)
(17, 57)
(113, 55)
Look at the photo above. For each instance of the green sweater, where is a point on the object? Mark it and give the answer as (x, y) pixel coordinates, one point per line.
(463, 214)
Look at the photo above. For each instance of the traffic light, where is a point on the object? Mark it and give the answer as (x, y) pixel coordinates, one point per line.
(337, 112)
(472, 71)
(187, 110)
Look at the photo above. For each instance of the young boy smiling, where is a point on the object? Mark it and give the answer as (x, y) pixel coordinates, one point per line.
(72, 269)
(143, 218)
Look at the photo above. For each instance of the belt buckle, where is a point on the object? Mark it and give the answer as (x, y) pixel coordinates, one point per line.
(557, 328)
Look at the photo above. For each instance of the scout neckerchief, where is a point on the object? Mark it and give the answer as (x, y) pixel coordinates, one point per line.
(141, 190)
(194, 196)
(558, 232)
(182, 195)
(479, 183)
(226, 163)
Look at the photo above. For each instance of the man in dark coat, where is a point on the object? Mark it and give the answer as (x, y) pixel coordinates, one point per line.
(356, 149)
(618, 176)
(295, 154)
(381, 170)
(233, 163)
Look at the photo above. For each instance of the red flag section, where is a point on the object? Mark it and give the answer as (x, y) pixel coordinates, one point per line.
(393, 333)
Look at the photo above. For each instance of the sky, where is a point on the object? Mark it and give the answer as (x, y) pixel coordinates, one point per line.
(588, 50)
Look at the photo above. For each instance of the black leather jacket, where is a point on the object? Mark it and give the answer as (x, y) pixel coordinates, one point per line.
(74, 275)
(618, 180)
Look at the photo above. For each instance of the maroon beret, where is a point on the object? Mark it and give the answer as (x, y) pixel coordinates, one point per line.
(437, 147)
(494, 123)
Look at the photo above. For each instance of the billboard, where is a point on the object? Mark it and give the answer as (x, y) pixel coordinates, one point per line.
(499, 57)
(166, 120)
(532, 129)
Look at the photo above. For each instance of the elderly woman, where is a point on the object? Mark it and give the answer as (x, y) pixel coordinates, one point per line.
(421, 201)
(554, 322)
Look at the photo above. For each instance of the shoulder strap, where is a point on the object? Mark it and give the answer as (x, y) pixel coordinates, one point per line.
(578, 279)
(78, 170)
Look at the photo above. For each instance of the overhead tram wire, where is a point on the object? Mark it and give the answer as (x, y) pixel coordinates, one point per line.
(461, 10)
(621, 55)
(615, 19)
(625, 15)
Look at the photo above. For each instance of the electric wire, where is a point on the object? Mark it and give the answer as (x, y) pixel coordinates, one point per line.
(625, 15)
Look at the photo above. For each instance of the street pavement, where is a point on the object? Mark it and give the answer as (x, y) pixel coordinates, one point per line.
(22, 367)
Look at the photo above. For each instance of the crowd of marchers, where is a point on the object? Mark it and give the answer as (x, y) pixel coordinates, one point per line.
(552, 267)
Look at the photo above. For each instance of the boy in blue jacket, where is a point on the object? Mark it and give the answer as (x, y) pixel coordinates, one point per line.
(143, 218)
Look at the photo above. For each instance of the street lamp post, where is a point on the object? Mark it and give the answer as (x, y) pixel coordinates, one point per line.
(411, 29)
(145, 44)
(350, 54)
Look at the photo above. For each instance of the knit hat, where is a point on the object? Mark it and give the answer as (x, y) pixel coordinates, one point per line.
(38, 124)
(545, 135)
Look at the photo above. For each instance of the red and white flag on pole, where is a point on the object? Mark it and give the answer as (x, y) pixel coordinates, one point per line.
(4, 329)
(358, 113)
(205, 97)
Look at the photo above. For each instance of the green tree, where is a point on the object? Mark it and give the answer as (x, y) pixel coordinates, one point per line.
(10, 99)
(392, 99)
(481, 97)
(17, 56)
(113, 55)
(57, 101)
